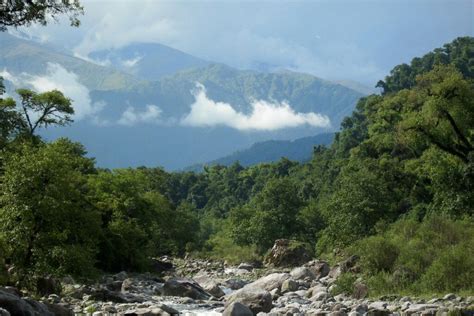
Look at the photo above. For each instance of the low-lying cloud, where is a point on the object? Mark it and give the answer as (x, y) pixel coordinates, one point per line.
(57, 77)
(265, 116)
(131, 116)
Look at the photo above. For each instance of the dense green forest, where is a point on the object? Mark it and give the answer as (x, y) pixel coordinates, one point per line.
(395, 187)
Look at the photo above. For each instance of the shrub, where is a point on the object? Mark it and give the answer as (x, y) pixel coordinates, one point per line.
(344, 284)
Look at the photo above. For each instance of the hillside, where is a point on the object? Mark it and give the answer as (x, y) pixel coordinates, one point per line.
(150, 61)
(121, 133)
(23, 56)
(270, 151)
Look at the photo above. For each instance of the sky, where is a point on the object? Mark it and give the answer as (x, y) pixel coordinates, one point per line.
(332, 39)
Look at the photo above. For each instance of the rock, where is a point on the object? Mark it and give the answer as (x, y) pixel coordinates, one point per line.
(246, 266)
(169, 310)
(4, 312)
(450, 296)
(105, 295)
(289, 286)
(418, 308)
(269, 282)
(237, 309)
(350, 262)
(235, 284)
(360, 291)
(209, 285)
(213, 288)
(361, 309)
(302, 273)
(160, 266)
(47, 285)
(126, 285)
(21, 307)
(287, 253)
(121, 276)
(315, 289)
(59, 309)
(185, 288)
(257, 300)
(320, 296)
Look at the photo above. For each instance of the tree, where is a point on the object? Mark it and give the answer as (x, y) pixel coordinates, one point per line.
(270, 215)
(45, 219)
(50, 108)
(441, 112)
(25, 12)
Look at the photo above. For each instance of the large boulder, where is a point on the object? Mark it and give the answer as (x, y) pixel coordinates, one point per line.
(257, 300)
(18, 306)
(269, 282)
(185, 288)
(287, 253)
(319, 268)
(302, 273)
(237, 309)
(208, 284)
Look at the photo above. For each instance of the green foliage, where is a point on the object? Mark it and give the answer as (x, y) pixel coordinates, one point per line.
(344, 284)
(24, 13)
(270, 215)
(433, 256)
(46, 223)
(138, 222)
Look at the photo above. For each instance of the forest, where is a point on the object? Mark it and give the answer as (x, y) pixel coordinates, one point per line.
(396, 188)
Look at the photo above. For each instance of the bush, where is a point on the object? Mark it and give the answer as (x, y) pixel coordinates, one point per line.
(431, 256)
(453, 270)
(344, 284)
(378, 254)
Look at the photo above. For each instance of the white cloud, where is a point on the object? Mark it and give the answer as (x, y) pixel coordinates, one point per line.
(131, 116)
(59, 78)
(264, 115)
(67, 82)
(131, 62)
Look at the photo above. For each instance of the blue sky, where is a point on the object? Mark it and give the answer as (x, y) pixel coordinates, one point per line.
(336, 39)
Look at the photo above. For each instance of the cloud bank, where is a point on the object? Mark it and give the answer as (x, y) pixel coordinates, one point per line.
(59, 78)
(131, 116)
(265, 116)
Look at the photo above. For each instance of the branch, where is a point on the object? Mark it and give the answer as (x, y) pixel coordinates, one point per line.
(457, 130)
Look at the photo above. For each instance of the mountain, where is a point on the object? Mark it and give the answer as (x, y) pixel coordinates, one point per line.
(357, 86)
(140, 122)
(299, 149)
(23, 56)
(150, 61)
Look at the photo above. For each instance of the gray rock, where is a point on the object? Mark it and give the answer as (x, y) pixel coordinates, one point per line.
(237, 309)
(302, 273)
(258, 300)
(246, 266)
(235, 284)
(4, 312)
(59, 309)
(450, 296)
(320, 296)
(289, 286)
(287, 253)
(185, 288)
(319, 268)
(269, 282)
(21, 307)
(126, 285)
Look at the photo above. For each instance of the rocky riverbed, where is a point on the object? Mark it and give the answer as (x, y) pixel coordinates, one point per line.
(203, 287)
